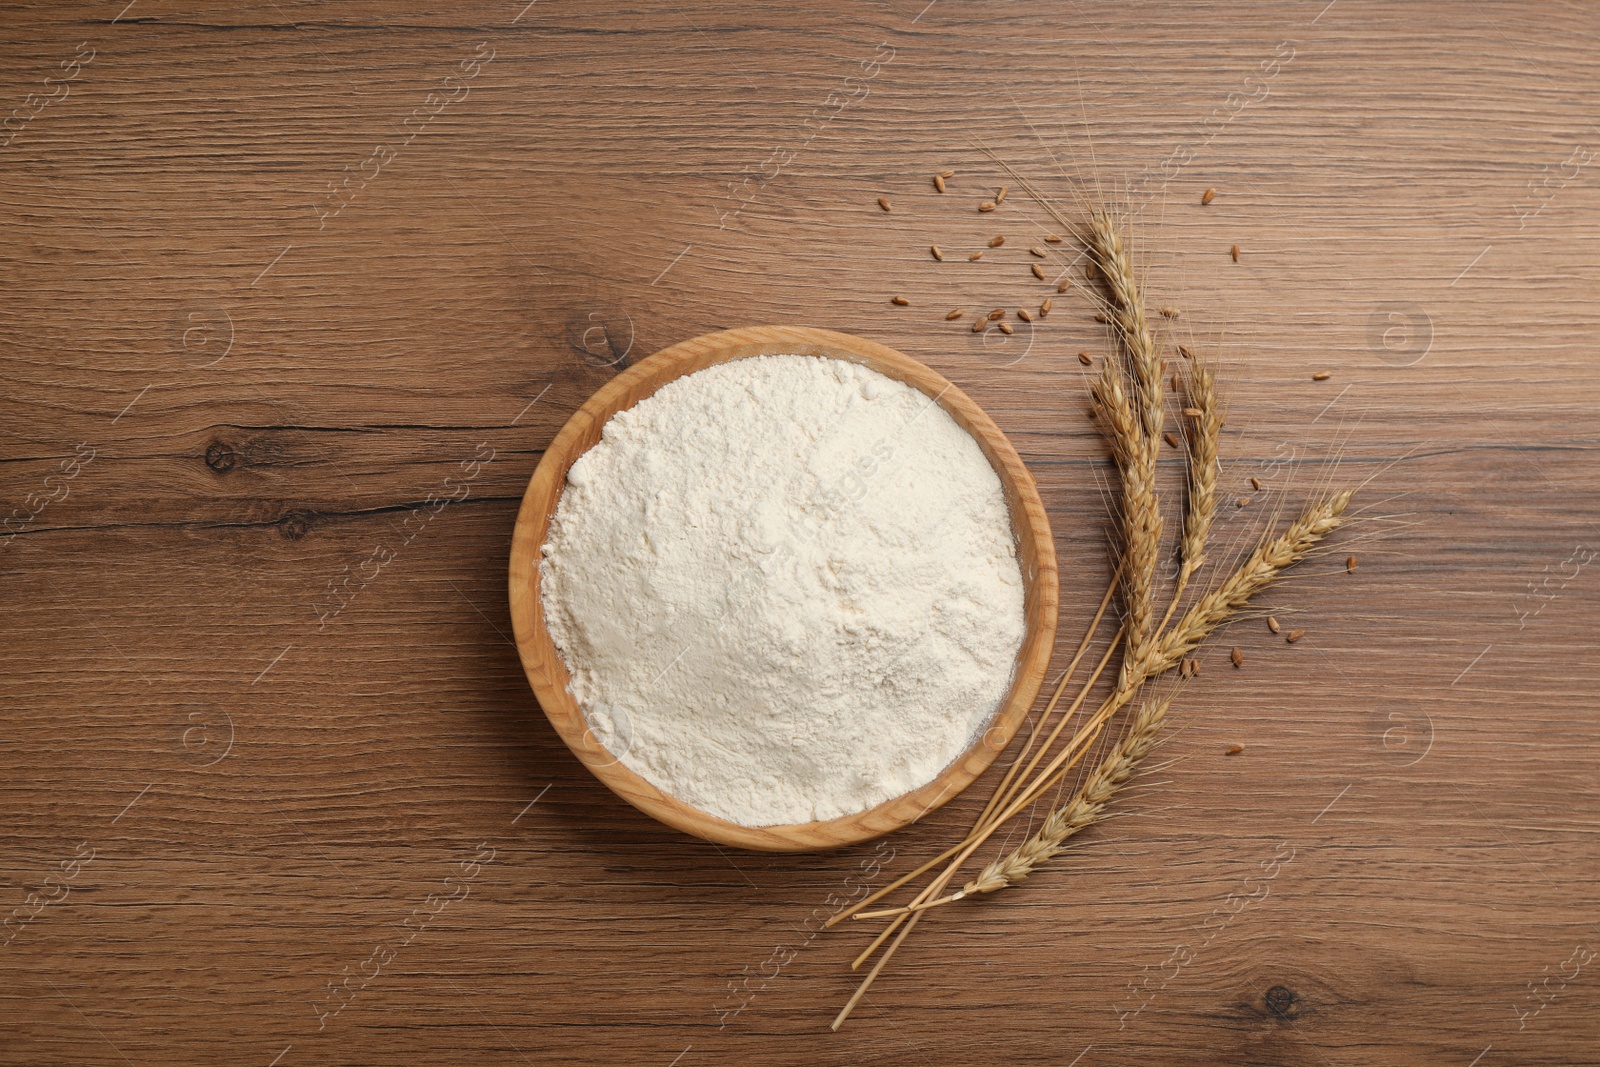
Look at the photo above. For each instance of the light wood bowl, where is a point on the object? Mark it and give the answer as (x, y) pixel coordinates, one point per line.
(548, 674)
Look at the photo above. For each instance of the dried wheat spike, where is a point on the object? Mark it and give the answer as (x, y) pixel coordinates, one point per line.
(1201, 506)
(1084, 808)
(1136, 451)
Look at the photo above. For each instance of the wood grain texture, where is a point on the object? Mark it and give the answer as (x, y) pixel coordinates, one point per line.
(273, 272)
(547, 671)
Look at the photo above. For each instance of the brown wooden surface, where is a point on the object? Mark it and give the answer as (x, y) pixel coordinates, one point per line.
(547, 671)
(270, 788)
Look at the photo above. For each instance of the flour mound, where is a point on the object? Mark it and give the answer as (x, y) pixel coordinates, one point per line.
(786, 589)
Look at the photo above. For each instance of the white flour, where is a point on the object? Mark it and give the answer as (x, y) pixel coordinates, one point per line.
(786, 589)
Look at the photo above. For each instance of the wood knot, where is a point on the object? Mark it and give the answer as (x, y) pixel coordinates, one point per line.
(221, 457)
(602, 336)
(294, 525)
(1282, 1002)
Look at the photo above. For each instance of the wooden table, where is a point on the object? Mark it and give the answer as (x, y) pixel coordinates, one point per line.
(295, 294)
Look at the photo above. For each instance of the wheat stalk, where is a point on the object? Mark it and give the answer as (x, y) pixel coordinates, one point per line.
(1134, 428)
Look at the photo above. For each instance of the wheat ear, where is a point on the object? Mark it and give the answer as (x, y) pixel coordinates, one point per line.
(1201, 507)
(1085, 808)
(1261, 569)
(1134, 427)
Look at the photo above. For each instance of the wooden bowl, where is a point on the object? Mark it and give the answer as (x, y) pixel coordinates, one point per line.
(548, 674)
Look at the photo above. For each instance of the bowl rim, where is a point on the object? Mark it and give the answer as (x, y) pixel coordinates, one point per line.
(546, 670)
